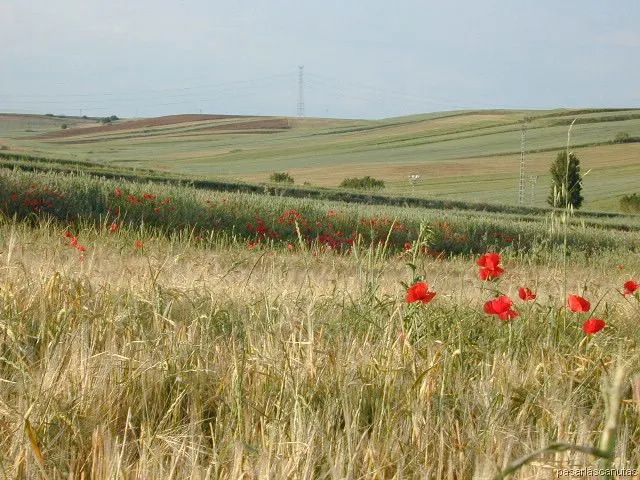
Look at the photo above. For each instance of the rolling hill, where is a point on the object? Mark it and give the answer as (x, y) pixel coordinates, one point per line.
(462, 155)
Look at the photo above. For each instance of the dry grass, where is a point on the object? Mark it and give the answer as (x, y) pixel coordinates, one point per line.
(184, 362)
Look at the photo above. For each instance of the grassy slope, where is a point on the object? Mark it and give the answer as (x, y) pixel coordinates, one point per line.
(482, 146)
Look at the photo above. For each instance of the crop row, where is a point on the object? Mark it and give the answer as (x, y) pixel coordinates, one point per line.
(259, 219)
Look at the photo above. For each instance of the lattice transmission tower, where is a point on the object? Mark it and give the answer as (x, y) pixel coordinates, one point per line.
(523, 134)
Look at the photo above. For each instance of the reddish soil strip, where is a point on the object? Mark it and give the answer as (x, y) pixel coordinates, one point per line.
(273, 125)
(268, 123)
(133, 124)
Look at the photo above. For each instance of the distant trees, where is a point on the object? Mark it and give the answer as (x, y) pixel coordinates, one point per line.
(110, 119)
(281, 177)
(364, 183)
(566, 182)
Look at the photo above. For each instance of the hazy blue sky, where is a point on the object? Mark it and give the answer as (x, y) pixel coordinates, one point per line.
(364, 59)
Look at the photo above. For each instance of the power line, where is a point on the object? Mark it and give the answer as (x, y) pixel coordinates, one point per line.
(136, 92)
(202, 94)
(321, 78)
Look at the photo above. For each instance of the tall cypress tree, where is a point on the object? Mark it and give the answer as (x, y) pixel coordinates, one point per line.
(563, 182)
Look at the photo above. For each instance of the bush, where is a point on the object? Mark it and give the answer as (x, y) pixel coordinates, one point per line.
(64, 126)
(110, 119)
(630, 203)
(281, 177)
(364, 183)
(621, 137)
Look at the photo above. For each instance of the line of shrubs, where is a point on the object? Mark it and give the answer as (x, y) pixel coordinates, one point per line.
(624, 137)
(364, 183)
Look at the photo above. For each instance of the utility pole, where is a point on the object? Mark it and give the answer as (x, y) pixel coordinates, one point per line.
(523, 132)
(300, 91)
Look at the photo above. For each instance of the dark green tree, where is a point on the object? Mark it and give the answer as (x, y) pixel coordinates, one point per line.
(281, 177)
(566, 184)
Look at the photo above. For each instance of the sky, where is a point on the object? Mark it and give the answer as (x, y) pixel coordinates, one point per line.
(361, 58)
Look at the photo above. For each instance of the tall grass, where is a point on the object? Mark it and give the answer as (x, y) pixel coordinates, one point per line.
(178, 361)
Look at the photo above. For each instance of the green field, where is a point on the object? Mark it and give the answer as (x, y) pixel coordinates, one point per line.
(472, 156)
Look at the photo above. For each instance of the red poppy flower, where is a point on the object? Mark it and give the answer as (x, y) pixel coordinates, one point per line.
(630, 287)
(117, 192)
(526, 294)
(139, 243)
(578, 304)
(490, 274)
(490, 263)
(82, 248)
(489, 260)
(290, 246)
(501, 306)
(407, 245)
(419, 292)
(74, 241)
(67, 234)
(498, 305)
(593, 325)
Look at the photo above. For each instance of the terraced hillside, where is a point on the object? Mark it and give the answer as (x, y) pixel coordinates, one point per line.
(464, 155)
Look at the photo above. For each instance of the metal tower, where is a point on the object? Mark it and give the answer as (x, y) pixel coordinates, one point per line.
(523, 133)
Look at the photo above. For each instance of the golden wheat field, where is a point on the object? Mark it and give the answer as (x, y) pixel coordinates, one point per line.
(170, 360)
